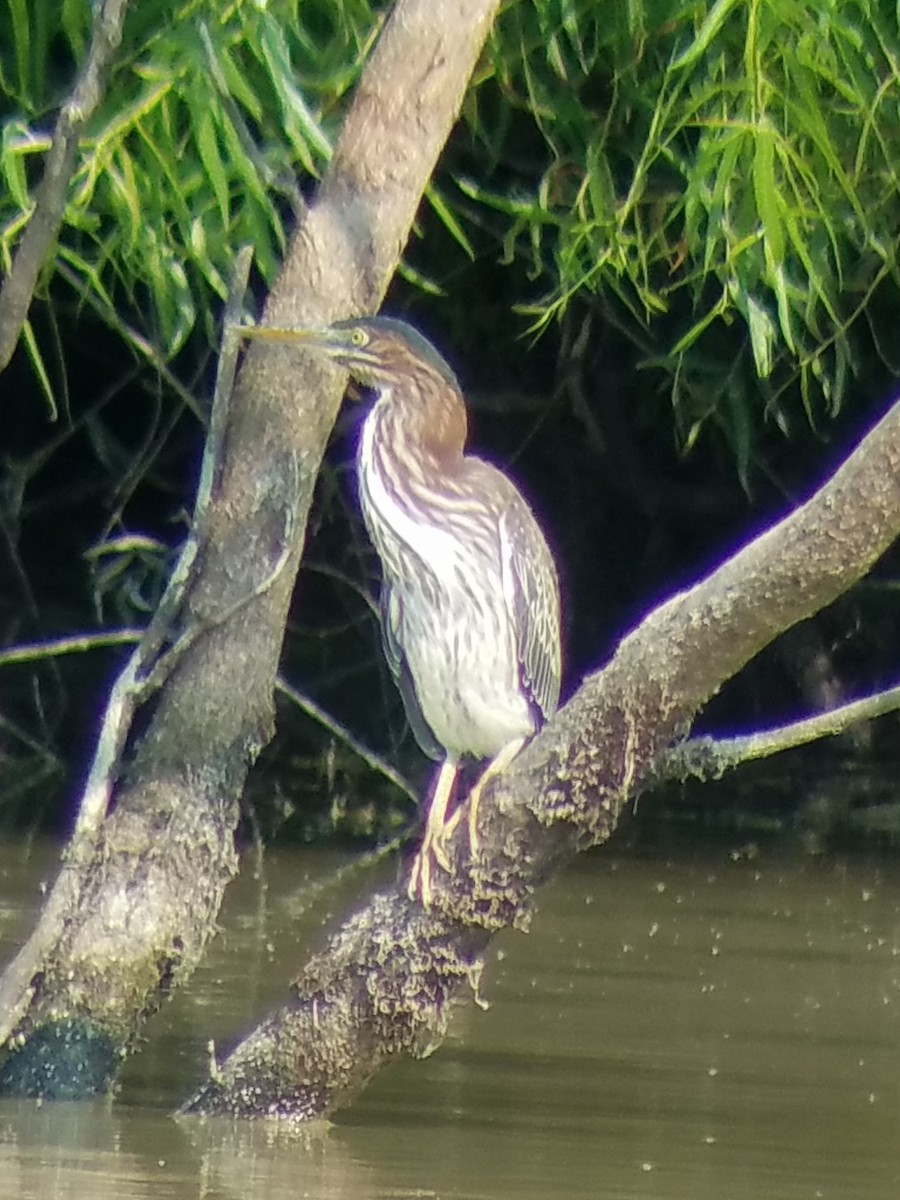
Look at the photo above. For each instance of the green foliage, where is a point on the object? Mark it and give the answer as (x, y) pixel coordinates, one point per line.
(715, 183)
(718, 181)
(211, 114)
(722, 180)
(215, 119)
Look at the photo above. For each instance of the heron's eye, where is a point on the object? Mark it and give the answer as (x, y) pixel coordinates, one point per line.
(359, 337)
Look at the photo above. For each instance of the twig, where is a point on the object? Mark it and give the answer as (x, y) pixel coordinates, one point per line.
(140, 344)
(11, 729)
(153, 680)
(76, 643)
(145, 670)
(709, 757)
(225, 373)
(343, 734)
(46, 218)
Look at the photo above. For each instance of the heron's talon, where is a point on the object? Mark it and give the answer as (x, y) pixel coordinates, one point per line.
(438, 849)
(432, 850)
(419, 886)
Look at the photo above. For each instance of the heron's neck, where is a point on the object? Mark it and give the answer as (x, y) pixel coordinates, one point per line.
(427, 430)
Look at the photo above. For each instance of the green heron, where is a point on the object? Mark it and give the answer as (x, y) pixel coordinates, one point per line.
(470, 598)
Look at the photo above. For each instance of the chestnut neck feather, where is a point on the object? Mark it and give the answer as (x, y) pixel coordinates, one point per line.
(423, 421)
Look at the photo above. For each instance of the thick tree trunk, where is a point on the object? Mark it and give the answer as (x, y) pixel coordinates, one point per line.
(384, 984)
(126, 926)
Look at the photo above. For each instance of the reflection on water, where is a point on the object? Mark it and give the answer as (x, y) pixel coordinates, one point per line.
(694, 1027)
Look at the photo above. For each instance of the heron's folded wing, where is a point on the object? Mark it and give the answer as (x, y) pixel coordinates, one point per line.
(392, 642)
(532, 587)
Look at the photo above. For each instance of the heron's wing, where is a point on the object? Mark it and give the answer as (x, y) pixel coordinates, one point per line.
(532, 590)
(392, 642)
(391, 621)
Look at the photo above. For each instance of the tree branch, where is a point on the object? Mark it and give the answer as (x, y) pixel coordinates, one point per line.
(710, 757)
(46, 218)
(384, 984)
(137, 919)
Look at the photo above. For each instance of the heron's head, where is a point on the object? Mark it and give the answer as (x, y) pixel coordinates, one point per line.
(378, 352)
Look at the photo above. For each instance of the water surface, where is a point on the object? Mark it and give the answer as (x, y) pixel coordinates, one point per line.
(690, 1025)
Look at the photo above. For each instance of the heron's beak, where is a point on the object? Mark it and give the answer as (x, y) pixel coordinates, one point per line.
(328, 342)
(321, 340)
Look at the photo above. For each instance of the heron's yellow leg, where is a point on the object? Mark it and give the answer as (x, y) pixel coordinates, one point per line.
(419, 887)
(495, 767)
(438, 829)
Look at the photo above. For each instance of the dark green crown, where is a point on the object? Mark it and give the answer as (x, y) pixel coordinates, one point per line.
(418, 345)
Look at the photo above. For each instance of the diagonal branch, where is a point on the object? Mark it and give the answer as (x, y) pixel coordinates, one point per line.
(384, 984)
(43, 227)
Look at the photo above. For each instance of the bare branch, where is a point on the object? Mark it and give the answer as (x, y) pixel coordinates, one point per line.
(711, 757)
(75, 643)
(344, 735)
(43, 227)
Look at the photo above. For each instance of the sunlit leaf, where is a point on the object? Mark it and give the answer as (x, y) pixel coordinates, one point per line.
(208, 149)
(763, 337)
(21, 36)
(40, 369)
(12, 165)
(705, 35)
(300, 124)
(448, 220)
(766, 192)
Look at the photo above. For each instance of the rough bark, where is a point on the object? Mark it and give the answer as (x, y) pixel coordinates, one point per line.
(384, 984)
(131, 923)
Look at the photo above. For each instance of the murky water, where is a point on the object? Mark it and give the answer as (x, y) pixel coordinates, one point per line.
(700, 1027)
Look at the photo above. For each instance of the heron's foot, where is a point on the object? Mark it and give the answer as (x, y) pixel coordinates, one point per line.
(439, 829)
(419, 887)
(494, 768)
(433, 850)
(471, 812)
